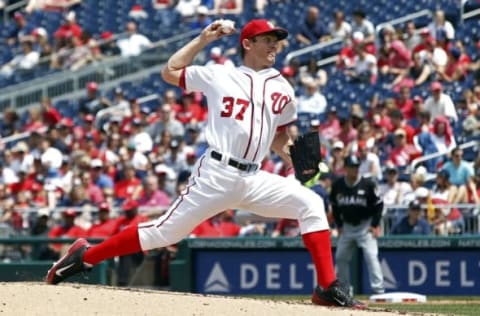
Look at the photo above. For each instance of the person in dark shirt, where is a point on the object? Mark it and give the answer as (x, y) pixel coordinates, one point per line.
(413, 223)
(311, 30)
(357, 210)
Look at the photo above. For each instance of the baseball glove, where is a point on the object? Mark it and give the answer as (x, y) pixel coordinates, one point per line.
(305, 154)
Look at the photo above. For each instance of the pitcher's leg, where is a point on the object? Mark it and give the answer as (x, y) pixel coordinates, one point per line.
(202, 199)
(274, 196)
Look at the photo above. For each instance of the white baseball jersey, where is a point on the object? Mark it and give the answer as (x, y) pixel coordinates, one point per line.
(252, 104)
(245, 108)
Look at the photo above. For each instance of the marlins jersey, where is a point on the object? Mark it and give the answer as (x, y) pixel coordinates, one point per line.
(355, 203)
(250, 103)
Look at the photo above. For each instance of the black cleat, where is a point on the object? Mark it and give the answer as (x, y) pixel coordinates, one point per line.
(335, 295)
(70, 264)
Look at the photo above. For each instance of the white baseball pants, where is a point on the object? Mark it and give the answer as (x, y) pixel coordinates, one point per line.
(216, 186)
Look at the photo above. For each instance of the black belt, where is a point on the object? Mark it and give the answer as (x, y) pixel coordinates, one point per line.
(249, 167)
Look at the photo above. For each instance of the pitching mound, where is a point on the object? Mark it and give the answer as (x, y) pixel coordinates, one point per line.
(74, 299)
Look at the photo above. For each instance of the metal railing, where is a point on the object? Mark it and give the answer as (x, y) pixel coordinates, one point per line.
(310, 49)
(12, 7)
(6, 142)
(404, 19)
(66, 82)
(419, 160)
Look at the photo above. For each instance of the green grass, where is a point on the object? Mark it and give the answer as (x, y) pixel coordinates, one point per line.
(441, 305)
(432, 308)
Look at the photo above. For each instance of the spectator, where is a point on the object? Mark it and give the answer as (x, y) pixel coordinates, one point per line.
(7, 175)
(103, 226)
(313, 71)
(411, 37)
(175, 158)
(447, 220)
(364, 66)
(69, 27)
(471, 124)
(128, 184)
(202, 19)
(50, 114)
(369, 161)
(404, 102)
(77, 197)
(22, 158)
(92, 102)
(418, 73)
(398, 58)
(339, 28)
(393, 190)
(222, 7)
(137, 12)
(330, 128)
(440, 24)
(108, 46)
(311, 30)
(189, 112)
(167, 122)
(93, 191)
(348, 133)
(101, 179)
(362, 24)
(187, 8)
(311, 101)
(402, 153)
(223, 225)
(442, 135)
(24, 61)
(457, 66)
(142, 140)
(40, 39)
(10, 124)
(443, 189)
(127, 264)
(134, 43)
(41, 227)
(413, 223)
(336, 163)
(416, 182)
(217, 57)
(460, 171)
(73, 56)
(54, 5)
(286, 227)
(397, 121)
(20, 29)
(440, 103)
(150, 196)
(66, 229)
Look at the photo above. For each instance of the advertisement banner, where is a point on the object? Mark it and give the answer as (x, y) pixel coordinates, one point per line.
(432, 272)
(254, 272)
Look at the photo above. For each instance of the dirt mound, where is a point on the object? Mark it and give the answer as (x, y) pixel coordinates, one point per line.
(75, 299)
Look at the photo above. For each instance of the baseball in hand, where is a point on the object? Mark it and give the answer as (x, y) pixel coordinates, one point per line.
(227, 26)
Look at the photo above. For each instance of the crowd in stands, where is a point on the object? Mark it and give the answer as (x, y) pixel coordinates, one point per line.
(118, 162)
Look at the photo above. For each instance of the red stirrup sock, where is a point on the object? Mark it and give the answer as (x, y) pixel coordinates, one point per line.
(124, 243)
(320, 248)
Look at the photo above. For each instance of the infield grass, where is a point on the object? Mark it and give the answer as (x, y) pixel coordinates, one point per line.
(441, 305)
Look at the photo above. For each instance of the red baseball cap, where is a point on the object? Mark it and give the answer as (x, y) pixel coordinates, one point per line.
(436, 86)
(129, 205)
(261, 26)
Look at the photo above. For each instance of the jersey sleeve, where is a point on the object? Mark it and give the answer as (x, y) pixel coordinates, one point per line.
(199, 78)
(289, 112)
